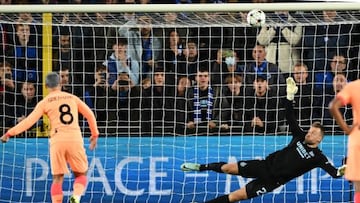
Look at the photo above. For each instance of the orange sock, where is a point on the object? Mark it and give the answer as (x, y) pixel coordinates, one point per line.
(357, 197)
(79, 185)
(56, 193)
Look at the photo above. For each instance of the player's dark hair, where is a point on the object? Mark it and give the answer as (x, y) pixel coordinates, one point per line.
(317, 124)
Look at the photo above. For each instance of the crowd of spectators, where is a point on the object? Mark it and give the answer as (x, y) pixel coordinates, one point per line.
(145, 80)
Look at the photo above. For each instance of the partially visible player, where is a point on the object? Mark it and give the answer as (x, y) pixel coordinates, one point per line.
(300, 156)
(66, 142)
(349, 95)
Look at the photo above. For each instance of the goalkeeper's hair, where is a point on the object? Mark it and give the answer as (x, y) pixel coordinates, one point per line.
(317, 124)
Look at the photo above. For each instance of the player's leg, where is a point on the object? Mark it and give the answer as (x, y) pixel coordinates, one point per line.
(232, 197)
(79, 187)
(58, 169)
(357, 191)
(56, 188)
(352, 171)
(252, 189)
(77, 160)
(220, 167)
(249, 169)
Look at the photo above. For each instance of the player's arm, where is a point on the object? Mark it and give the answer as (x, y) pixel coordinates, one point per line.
(25, 124)
(291, 90)
(90, 117)
(331, 169)
(334, 107)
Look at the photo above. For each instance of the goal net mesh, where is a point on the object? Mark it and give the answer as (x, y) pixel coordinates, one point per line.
(169, 88)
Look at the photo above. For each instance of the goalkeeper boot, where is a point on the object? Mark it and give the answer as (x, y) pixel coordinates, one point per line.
(73, 199)
(190, 167)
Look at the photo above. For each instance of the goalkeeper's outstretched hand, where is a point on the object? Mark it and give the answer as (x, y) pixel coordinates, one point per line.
(291, 88)
(341, 170)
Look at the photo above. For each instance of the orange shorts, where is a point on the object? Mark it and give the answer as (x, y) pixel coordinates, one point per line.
(63, 153)
(352, 171)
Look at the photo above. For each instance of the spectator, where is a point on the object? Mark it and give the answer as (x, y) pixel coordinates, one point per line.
(323, 86)
(120, 61)
(25, 54)
(303, 97)
(234, 94)
(323, 80)
(261, 108)
(82, 41)
(225, 64)
(173, 53)
(323, 113)
(177, 106)
(204, 105)
(154, 103)
(143, 46)
(325, 40)
(100, 37)
(97, 97)
(124, 105)
(146, 83)
(64, 55)
(35, 27)
(25, 104)
(261, 66)
(280, 42)
(66, 82)
(188, 65)
(151, 46)
(7, 95)
(6, 77)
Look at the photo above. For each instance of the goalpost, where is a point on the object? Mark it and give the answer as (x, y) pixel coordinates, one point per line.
(141, 148)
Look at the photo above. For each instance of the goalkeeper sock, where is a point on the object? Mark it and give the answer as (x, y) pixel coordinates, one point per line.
(79, 186)
(213, 166)
(56, 193)
(357, 197)
(222, 199)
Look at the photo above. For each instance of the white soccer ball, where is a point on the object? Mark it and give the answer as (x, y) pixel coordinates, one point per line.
(256, 18)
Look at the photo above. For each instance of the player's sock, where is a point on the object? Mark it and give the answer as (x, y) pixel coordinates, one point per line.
(357, 197)
(221, 199)
(213, 166)
(79, 186)
(56, 193)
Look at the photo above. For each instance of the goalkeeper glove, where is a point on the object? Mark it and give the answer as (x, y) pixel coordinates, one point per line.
(341, 170)
(291, 88)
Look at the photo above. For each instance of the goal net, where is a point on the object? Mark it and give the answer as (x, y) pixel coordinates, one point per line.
(170, 85)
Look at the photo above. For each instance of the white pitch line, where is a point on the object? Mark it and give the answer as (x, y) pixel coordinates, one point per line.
(195, 175)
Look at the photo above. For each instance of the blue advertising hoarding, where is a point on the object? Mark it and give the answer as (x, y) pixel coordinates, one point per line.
(147, 169)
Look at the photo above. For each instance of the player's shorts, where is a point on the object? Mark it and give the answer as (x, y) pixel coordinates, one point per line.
(63, 153)
(259, 187)
(254, 169)
(352, 171)
(263, 182)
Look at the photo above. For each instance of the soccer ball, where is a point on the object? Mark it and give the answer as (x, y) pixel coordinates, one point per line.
(256, 18)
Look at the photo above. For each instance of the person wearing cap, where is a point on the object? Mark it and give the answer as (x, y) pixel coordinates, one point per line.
(260, 108)
(66, 142)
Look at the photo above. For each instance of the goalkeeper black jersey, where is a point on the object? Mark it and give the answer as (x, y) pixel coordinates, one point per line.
(297, 158)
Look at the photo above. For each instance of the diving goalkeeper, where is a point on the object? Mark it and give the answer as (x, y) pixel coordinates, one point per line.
(66, 142)
(300, 156)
